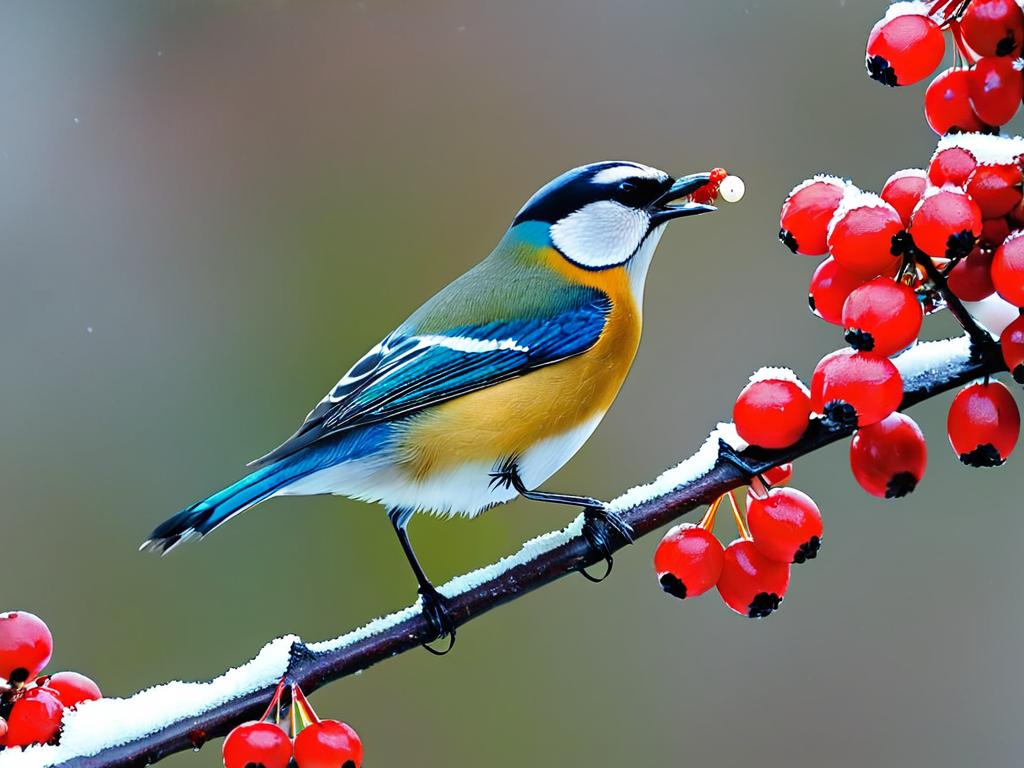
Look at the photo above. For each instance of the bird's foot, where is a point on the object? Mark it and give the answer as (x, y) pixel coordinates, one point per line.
(600, 528)
(438, 615)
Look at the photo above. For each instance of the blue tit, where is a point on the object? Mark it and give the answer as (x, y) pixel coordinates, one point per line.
(493, 384)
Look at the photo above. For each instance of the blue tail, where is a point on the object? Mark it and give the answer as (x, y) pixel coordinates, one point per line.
(203, 516)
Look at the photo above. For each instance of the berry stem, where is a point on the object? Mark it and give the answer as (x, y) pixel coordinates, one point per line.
(708, 521)
(979, 336)
(741, 526)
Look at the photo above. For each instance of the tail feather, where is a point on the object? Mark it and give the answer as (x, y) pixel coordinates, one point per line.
(203, 516)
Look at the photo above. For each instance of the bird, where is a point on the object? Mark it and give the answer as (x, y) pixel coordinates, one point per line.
(492, 385)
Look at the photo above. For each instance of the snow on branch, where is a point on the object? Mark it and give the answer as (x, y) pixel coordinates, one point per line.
(168, 718)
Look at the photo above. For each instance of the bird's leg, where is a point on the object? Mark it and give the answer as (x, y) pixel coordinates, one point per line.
(435, 605)
(599, 521)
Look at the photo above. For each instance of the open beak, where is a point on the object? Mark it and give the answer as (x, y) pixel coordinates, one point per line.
(675, 203)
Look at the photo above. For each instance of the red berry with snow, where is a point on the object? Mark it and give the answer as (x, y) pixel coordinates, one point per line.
(862, 236)
(257, 743)
(785, 525)
(882, 316)
(1012, 341)
(807, 212)
(996, 188)
(971, 278)
(946, 223)
(993, 27)
(904, 190)
(35, 718)
(951, 165)
(904, 49)
(25, 646)
(830, 286)
(328, 744)
(752, 584)
(688, 561)
(888, 459)
(73, 688)
(858, 388)
(983, 424)
(1008, 269)
(995, 90)
(772, 412)
(947, 103)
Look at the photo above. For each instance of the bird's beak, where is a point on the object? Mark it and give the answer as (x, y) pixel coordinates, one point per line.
(674, 203)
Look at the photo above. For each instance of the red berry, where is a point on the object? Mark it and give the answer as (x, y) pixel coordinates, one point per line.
(904, 49)
(260, 743)
(861, 235)
(830, 286)
(25, 646)
(3, 731)
(904, 190)
(882, 316)
(983, 424)
(1008, 269)
(328, 744)
(888, 458)
(994, 232)
(35, 718)
(995, 91)
(971, 278)
(751, 584)
(1012, 340)
(779, 475)
(993, 27)
(688, 561)
(772, 412)
(867, 383)
(73, 688)
(996, 188)
(951, 165)
(785, 525)
(947, 104)
(946, 223)
(807, 212)
(709, 191)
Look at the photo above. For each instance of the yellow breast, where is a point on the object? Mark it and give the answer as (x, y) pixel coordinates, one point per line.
(506, 419)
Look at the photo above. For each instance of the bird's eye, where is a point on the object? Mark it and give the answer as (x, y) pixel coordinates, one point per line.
(628, 193)
(627, 187)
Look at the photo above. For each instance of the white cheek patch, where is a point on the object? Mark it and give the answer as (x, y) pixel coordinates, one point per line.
(600, 234)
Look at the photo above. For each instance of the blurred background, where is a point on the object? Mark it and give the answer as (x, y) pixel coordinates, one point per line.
(210, 209)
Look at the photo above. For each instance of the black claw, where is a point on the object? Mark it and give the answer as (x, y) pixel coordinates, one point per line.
(599, 526)
(435, 609)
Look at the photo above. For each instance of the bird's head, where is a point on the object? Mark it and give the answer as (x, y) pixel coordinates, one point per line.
(606, 215)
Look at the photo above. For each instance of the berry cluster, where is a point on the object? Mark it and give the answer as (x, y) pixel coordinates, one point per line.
(781, 526)
(933, 238)
(280, 738)
(983, 90)
(32, 706)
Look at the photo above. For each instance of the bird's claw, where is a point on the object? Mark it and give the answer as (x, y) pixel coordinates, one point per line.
(436, 611)
(599, 526)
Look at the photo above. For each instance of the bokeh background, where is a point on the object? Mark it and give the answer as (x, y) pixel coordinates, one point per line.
(209, 209)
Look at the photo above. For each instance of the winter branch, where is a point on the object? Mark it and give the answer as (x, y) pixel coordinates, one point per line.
(157, 722)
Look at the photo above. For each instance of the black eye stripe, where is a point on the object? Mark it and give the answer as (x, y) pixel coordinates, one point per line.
(577, 189)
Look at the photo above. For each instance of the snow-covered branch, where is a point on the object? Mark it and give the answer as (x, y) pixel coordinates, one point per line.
(175, 716)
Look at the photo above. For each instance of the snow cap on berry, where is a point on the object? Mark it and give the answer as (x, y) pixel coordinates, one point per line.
(853, 199)
(986, 148)
(771, 373)
(906, 8)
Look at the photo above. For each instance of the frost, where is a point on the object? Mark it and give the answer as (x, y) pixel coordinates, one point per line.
(827, 178)
(855, 198)
(987, 149)
(926, 359)
(906, 8)
(110, 722)
(768, 373)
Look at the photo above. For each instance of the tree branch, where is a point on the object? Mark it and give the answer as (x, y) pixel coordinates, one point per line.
(160, 721)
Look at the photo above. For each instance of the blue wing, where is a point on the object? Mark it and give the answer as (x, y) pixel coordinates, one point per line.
(406, 373)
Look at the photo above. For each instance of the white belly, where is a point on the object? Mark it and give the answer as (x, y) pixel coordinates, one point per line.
(465, 490)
